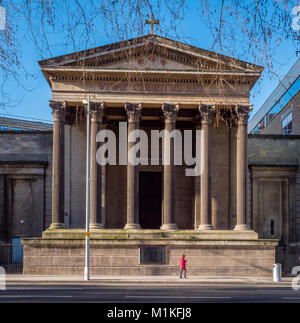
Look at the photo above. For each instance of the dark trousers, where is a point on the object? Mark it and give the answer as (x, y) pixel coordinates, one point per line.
(183, 270)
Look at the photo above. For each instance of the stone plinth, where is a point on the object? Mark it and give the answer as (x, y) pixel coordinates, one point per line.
(116, 252)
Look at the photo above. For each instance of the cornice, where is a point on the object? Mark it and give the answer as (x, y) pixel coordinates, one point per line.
(147, 79)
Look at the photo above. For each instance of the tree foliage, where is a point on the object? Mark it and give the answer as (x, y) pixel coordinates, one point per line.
(246, 29)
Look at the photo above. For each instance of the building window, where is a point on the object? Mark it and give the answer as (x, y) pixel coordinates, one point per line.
(280, 104)
(272, 227)
(286, 125)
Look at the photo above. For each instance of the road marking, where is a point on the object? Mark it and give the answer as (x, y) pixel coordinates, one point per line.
(42, 288)
(102, 294)
(181, 297)
(295, 298)
(275, 290)
(34, 296)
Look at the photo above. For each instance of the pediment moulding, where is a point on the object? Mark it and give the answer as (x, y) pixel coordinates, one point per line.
(146, 57)
(148, 47)
(150, 64)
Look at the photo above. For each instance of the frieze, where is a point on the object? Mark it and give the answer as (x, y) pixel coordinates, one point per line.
(145, 87)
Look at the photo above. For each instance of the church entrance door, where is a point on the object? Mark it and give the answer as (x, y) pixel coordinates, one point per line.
(150, 199)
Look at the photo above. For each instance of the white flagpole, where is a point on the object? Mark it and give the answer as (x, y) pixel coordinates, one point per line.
(87, 199)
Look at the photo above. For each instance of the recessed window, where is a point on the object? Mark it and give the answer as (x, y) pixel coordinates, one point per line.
(272, 227)
(286, 125)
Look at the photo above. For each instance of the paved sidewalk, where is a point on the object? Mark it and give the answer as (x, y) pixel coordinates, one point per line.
(147, 280)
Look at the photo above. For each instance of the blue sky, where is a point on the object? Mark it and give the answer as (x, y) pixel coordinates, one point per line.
(33, 104)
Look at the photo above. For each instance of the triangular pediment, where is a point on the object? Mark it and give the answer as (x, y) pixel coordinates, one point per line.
(148, 62)
(150, 53)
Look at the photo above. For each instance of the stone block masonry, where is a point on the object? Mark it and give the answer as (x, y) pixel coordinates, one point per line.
(215, 253)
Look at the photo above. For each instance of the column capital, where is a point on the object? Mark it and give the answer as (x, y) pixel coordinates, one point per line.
(97, 111)
(206, 112)
(242, 113)
(133, 111)
(58, 110)
(170, 112)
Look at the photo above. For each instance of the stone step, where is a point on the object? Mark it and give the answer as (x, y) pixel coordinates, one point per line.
(222, 271)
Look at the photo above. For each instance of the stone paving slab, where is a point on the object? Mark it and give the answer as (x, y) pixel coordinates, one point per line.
(147, 280)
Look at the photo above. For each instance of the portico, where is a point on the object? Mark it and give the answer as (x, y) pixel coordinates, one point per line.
(134, 115)
(151, 83)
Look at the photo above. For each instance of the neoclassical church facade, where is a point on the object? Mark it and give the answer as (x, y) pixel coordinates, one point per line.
(143, 217)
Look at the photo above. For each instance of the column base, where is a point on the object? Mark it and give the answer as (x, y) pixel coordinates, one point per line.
(132, 226)
(203, 227)
(241, 227)
(95, 226)
(169, 227)
(56, 226)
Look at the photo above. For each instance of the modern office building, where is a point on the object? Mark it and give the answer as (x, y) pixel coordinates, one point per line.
(280, 114)
(10, 124)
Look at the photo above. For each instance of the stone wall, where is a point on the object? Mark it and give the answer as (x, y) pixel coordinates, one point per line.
(275, 181)
(238, 258)
(25, 176)
(275, 151)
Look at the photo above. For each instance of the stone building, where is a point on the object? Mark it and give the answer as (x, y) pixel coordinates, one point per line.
(25, 178)
(144, 217)
(274, 193)
(25, 185)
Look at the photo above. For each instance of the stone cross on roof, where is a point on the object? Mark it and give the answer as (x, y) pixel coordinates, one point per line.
(152, 22)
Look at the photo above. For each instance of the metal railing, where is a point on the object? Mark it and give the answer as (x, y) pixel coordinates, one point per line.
(11, 258)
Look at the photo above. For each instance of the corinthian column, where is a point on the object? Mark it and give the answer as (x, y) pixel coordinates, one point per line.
(206, 113)
(58, 111)
(95, 169)
(170, 113)
(242, 167)
(134, 114)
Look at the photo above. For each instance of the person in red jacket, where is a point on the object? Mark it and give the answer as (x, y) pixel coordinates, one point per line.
(183, 266)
